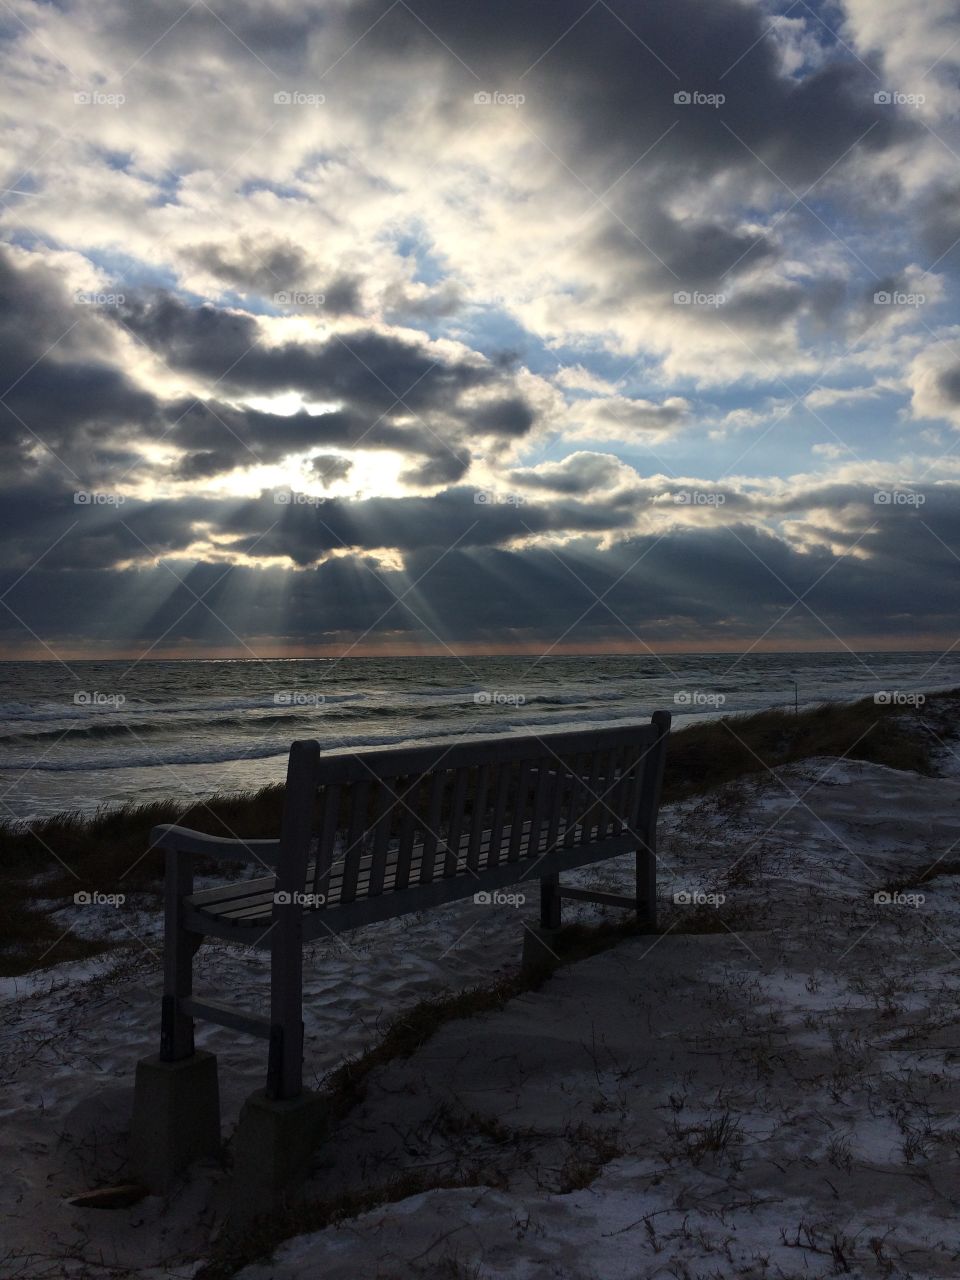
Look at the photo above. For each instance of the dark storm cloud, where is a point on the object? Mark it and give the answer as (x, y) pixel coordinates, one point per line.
(251, 265)
(737, 581)
(276, 269)
(50, 521)
(371, 372)
(671, 255)
(404, 305)
(604, 80)
(940, 227)
(509, 417)
(63, 404)
(330, 467)
(948, 383)
(305, 530)
(216, 437)
(445, 467)
(577, 474)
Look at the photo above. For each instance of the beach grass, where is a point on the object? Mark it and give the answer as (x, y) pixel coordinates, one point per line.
(46, 861)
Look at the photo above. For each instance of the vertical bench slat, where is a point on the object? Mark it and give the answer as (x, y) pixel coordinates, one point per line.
(519, 811)
(478, 816)
(326, 838)
(579, 798)
(431, 835)
(407, 790)
(578, 765)
(545, 777)
(590, 807)
(502, 788)
(385, 808)
(451, 862)
(356, 827)
(636, 790)
(556, 804)
(619, 794)
(607, 823)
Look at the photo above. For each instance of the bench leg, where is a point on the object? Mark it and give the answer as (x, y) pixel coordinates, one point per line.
(647, 887)
(179, 948)
(285, 1066)
(550, 917)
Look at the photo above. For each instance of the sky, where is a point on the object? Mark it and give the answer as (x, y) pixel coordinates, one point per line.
(526, 325)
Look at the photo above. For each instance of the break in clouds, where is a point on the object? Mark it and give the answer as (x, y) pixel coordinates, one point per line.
(514, 323)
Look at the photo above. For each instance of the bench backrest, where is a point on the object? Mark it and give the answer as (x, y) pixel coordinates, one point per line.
(387, 820)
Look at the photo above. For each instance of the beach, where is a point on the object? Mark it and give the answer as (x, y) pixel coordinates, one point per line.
(771, 1075)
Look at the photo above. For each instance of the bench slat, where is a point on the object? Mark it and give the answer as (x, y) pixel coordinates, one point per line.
(636, 791)
(561, 775)
(411, 786)
(329, 819)
(355, 832)
(590, 814)
(451, 860)
(256, 904)
(571, 817)
(385, 809)
(478, 816)
(431, 837)
(543, 786)
(519, 810)
(502, 787)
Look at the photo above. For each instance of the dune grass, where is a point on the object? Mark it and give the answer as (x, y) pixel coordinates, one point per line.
(53, 858)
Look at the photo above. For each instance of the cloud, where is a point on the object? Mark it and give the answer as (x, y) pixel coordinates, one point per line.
(581, 472)
(330, 467)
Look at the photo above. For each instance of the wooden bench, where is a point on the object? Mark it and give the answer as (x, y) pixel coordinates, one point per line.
(372, 835)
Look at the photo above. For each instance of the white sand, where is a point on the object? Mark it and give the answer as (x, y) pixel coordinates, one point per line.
(823, 1040)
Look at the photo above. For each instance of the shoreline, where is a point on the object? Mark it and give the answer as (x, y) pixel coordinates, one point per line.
(683, 719)
(48, 861)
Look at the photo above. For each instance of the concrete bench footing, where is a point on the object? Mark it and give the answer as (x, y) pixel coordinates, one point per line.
(273, 1147)
(539, 950)
(176, 1117)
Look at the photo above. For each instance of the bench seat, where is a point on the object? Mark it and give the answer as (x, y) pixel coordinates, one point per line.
(247, 905)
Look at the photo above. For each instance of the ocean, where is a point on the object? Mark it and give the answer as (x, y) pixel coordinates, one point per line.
(92, 734)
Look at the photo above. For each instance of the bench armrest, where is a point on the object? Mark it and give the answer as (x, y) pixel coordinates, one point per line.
(183, 840)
